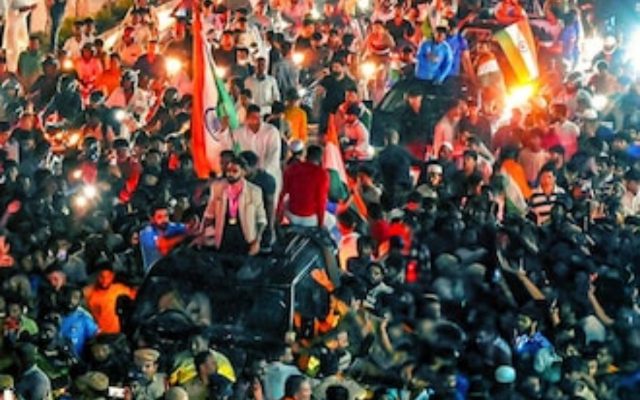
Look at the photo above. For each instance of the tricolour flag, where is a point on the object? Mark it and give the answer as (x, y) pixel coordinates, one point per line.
(211, 103)
(519, 47)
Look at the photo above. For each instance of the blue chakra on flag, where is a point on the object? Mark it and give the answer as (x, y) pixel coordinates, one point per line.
(212, 123)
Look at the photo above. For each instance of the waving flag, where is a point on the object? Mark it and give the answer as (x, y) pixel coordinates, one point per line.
(519, 47)
(211, 102)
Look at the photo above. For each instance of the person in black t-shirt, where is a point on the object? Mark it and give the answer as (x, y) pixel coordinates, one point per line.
(334, 87)
(398, 27)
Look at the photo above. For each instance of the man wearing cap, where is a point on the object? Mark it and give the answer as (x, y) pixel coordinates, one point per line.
(93, 386)
(434, 58)
(151, 385)
(29, 63)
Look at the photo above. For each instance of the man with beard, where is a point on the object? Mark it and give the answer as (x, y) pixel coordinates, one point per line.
(236, 211)
(102, 296)
(77, 325)
(160, 236)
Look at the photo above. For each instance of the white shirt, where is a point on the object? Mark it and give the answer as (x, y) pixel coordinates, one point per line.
(267, 146)
(139, 104)
(630, 204)
(359, 135)
(264, 92)
(73, 47)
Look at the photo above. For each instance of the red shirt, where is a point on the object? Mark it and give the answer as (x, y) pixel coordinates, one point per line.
(307, 185)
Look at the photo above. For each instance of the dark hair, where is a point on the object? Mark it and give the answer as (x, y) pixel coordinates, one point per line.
(548, 167)
(200, 358)
(337, 392)
(250, 158)
(314, 153)
(159, 205)
(293, 384)
(253, 108)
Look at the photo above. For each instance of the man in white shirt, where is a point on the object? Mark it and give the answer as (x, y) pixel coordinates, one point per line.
(446, 129)
(356, 136)
(264, 140)
(128, 48)
(263, 87)
(73, 46)
(567, 131)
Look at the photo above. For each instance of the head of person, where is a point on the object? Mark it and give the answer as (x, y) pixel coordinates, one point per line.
(440, 34)
(414, 99)
(352, 114)
(392, 137)
(105, 276)
(632, 181)
(315, 154)
(56, 276)
(227, 41)
(337, 67)
(115, 63)
(261, 67)
(445, 152)
(235, 169)
(26, 356)
(128, 34)
(225, 157)
(297, 387)
(434, 174)
(473, 109)
(378, 27)
(351, 95)
(77, 29)
(121, 147)
(547, 178)
(375, 274)
(205, 363)
(253, 118)
(146, 361)
(152, 47)
(159, 216)
(251, 159)
(34, 43)
(470, 161)
(337, 392)
(559, 112)
(556, 154)
(87, 52)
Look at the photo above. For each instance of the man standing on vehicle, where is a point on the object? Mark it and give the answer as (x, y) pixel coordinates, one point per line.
(434, 58)
(160, 236)
(236, 211)
(413, 125)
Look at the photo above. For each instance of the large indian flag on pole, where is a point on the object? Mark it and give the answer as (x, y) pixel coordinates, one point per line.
(519, 47)
(211, 103)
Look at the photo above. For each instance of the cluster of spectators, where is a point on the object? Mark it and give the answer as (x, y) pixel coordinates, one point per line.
(487, 254)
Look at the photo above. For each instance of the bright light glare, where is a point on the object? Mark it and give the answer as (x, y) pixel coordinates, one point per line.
(599, 102)
(74, 139)
(519, 96)
(67, 64)
(119, 115)
(364, 5)
(302, 92)
(89, 192)
(221, 72)
(80, 201)
(173, 65)
(368, 69)
(298, 58)
(77, 174)
(315, 14)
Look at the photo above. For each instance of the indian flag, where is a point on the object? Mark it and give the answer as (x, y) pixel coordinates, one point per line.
(211, 103)
(519, 47)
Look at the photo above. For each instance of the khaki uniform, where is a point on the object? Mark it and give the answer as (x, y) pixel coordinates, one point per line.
(152, 390)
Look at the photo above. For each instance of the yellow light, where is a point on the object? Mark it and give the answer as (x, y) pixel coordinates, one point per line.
(77, 174)
(315, 14)
(67, 64)
(368, 69)
(298, 58)
(173, 65)
(519, 96)
(73, 139)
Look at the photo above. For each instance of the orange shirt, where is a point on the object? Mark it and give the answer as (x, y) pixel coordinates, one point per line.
(102, 305)
(297, 119)
(108, 81)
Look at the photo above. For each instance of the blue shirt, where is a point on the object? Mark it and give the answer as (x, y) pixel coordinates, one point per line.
(434, 61)
(531, 344)
(149, 242)
(458, 46)
(78, 327)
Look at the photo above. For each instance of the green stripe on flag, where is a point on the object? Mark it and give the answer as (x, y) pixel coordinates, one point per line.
(512, 53)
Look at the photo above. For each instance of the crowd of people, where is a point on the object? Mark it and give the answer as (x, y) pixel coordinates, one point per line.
(487, 254)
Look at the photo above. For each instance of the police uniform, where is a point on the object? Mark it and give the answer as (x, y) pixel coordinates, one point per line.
(148, 389)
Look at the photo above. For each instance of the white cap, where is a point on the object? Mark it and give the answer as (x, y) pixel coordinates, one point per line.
(590, 114)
